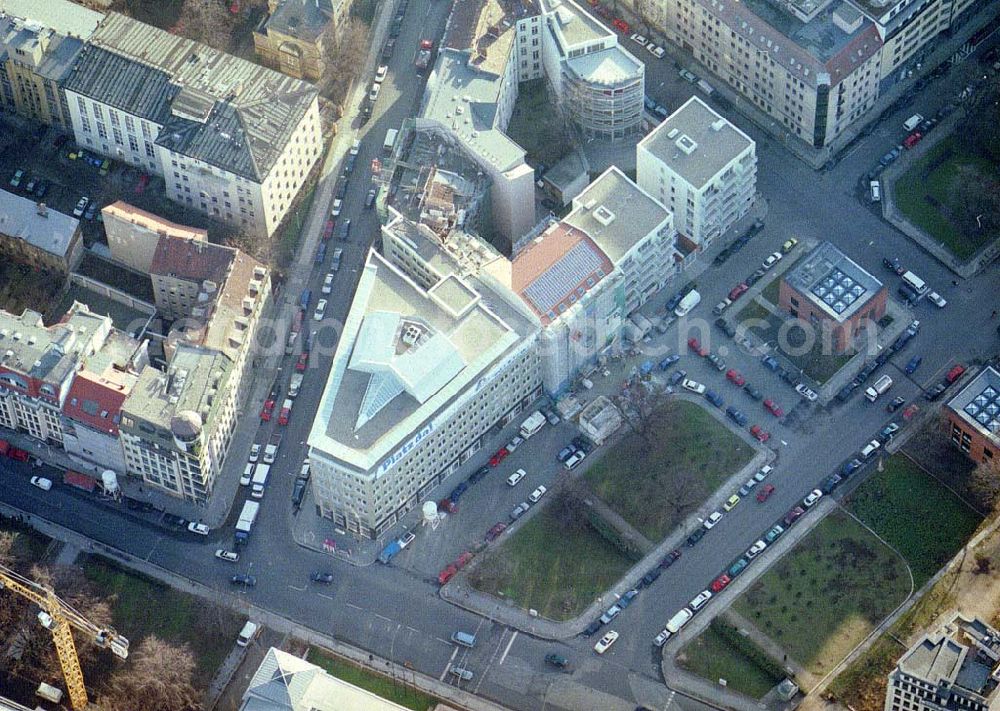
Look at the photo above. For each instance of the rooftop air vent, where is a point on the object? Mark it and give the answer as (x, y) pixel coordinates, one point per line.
(717, 125)
(673, 133)
(604, 215)
(687, 144)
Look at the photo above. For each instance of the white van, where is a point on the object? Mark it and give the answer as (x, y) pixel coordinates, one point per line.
(912, 122)
(915, 283)
(679, 620)
(247, 634)
(464, 638)
(390, 140)
(247, 475)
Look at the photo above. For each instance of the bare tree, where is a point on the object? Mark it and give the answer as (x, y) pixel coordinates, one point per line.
(984, 487)
(683, 492)
(345, 48)
(159, 673)
(641, 410)
(206, 21)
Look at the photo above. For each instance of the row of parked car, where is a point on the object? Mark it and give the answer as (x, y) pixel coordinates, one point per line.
(683, 616)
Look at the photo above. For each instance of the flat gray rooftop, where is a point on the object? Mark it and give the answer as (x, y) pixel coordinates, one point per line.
(696, 142)
(622, 214)
(978, 403)
(833, 282)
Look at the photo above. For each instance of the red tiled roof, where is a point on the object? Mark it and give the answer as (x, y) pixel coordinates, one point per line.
(538, 258)
(192, 260)
(90, 396)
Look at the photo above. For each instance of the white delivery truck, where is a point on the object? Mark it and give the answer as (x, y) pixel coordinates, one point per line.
(247, 517)
(294, 385)
(878, 388)
(259, 480)
(690, 300)
(533, 424)
(390, 140)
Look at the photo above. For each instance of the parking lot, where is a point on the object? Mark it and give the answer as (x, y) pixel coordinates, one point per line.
(60, 181)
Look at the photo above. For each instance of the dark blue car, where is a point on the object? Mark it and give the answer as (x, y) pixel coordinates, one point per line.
(914, 363)
(714, 398)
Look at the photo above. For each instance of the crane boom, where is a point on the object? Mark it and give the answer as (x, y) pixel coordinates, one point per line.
(58, 616)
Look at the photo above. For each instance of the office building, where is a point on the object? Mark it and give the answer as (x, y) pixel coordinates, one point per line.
(973, 418)
(32, 233)
(39, 42)
(419, 378)
(828, 290)
(954, 669)
(231, 139)
(812, 66)
(702, 168)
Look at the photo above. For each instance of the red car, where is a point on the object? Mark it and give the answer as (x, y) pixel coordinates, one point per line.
(141, 185)
(695, 345)
(447, 574)
(494, 533)
(765, 492)
(793, 515)
(773, 407)
(284, 415)
(737, 379)
(18, 455)
(759, 433)
(954, 374)
(621, 25)
(302, 362)
(265, 413)
(328, 230)
(499, 457)
(738, 291)
(720, 583)
(447, 506)
(912, 140)
(462, 560)
(909, 412)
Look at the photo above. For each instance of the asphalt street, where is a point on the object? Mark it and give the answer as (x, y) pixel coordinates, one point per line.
(395, 610)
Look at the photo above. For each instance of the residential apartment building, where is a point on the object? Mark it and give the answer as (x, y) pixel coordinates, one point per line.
(600, 84)
(38, 368)
(176, 426)
(973, 418)
(39, 41)
(33, 234)
(701, 168)
(419, 378)
(953, 669)
(829, 291)
(230, 138)
(133, 234)
(813, 66)
(294, 36)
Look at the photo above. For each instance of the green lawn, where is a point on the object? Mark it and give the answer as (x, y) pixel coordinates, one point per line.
(142, 607)
(812, 362)
(689, 455)
(550, 568)
(926, 194)
(924, 521)
(532, 127)
(711, 656)
(821, 600)
(378, 684)
(770, 292)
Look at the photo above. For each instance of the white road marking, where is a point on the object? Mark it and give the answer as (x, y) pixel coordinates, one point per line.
(443, 641)
(354, 606)
(302, 589)
(509, 644)
(448, 665)
(411, 629)
(328, 597)
(382, 617)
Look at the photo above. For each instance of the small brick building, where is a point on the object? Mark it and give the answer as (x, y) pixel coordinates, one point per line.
(973, 417)
(833, 293)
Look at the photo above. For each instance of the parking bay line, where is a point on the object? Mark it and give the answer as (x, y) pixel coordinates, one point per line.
(509, 645)
(448, 665)
(328, 597)
(350, 604)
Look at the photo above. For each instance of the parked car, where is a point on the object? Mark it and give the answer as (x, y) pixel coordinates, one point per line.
(320, 310)
(566, 452)
(752, 391)
(670, 558)
(850, 467)
(715, 360)
(583, 444)
(661, 639)
(81, 207)
(789, 245)
(700, 600)
(338, 205)
(695, 345)
(771, 260)
(793, 515)
(831, 483)
(248, 581)
(759, 433)
(812, 497)
(773, 533)
(806, 392)
(41, 482)
(720, 583)
(731, 502)
(735, 378)
(639, 40)
(773, 407)
(199, 528)
(887, 432)
(605, 642)
(913, 364)
(515, 477)
(537, 494)
(15, 181)
(770, 362)
(229, 556)
(495, 531)
(756, 549)
(557, 660)
(763, 472)
(738, 291)
(321, 577)
(574, 460)
(736, 416)
(370, 198)
(764, 493)
(498, 457)
(936, 299)
(712, 519)
(688, 76)
(694, 386)
(695, 536)
(519, 510)
(737, 567)
(650, 577)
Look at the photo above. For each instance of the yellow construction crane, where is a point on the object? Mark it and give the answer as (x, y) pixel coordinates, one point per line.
(58, 616)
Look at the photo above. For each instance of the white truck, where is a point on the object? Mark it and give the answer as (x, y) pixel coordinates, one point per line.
(878, 387)
(295, 384)
(390, 140)
(531, 426)
(259, 480)
(247, 516)
(690, 300)
(271, 448)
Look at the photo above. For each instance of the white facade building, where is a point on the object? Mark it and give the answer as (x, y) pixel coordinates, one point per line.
(418, 378)
(230, 138)
(702, 168)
